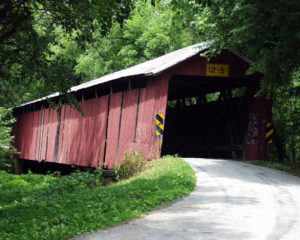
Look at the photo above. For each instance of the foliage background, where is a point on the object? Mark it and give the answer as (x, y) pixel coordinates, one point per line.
(49, 46)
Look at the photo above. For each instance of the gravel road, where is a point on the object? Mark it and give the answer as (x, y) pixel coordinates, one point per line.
(232, 200)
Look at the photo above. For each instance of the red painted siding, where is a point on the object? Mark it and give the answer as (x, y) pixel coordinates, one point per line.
(51, 135)
(45, 134)
(64, 135)
(88, 140)
(145, 120)
(127, 130)
(113, 129)
(99, 127)
(259, 115)
(61, 136)
(74, 138)
(40, 136)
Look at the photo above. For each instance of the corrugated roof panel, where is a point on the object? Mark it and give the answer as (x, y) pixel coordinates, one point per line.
(149, 68)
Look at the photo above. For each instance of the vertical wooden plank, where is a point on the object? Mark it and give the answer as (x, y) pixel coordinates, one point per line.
(87, 133)
(252, 132)
(31, 139)
(265, 111)
(57, 136)
(65, 135)
(38, 134)
(61, 135)
(161, 85)
(82, 135)
(71, 146)
(106, 130)
(119, 131)
(51, 135)
(100, 108)
(113, 129)
(34, 135)
(28, 135)
(95, 126)
(128, 122)
(74, 138)
(146, 120)
(146, 106)
(69, 137)
(45, 134)
(40, 144)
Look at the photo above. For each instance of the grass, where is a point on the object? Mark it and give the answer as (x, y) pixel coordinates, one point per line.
(47, 207)
(277, 166)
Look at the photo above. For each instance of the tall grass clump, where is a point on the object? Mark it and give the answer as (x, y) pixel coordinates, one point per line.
(131, 165)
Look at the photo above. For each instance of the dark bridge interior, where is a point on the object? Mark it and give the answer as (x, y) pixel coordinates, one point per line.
(206, 117)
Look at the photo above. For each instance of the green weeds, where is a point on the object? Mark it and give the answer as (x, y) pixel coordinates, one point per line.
(277, 166)
(132, 164)
(36, 206)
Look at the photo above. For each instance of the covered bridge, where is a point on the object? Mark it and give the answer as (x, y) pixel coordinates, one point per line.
(176, 103)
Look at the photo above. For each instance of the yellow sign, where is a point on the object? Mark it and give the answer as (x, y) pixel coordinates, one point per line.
(269, 133)
(217, 70)
(159, 124)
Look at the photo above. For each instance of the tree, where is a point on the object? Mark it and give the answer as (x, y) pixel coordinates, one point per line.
(266, 31)
(151, 30)
(28, 28)
(6, 150)
(286, 117)
(38, 39)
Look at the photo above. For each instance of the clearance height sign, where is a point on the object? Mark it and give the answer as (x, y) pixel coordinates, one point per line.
(217, 70)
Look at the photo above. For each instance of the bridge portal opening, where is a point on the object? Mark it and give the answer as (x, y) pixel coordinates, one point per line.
(206, 117)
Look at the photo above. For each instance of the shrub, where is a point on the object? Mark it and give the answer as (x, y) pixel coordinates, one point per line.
(76, 181)
(6, 149)
(132, 164)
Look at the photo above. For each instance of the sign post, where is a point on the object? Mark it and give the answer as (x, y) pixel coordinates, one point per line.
(159, 130)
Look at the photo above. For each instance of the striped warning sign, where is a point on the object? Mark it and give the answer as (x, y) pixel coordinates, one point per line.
(269, 133)
(159, 124)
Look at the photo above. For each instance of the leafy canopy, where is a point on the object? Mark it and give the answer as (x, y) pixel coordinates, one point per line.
(29, 28)
(266, 31)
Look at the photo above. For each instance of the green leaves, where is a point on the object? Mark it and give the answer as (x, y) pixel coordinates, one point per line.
(131, 165)
(268, 33)
(49, 207)
(265, 31)
(286, 117)
(150, 31)
(6, 149)
(40, 40)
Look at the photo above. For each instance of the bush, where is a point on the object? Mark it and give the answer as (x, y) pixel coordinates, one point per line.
(132, 164)
(76, 181)
(6, 149)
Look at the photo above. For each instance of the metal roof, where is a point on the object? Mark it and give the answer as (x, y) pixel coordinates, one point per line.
(148, 68)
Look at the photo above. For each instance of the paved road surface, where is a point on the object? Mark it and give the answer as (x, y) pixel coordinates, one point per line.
(232, 200)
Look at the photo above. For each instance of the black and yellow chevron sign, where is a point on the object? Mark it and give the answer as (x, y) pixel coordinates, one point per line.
(269, 133)
(159, 124)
